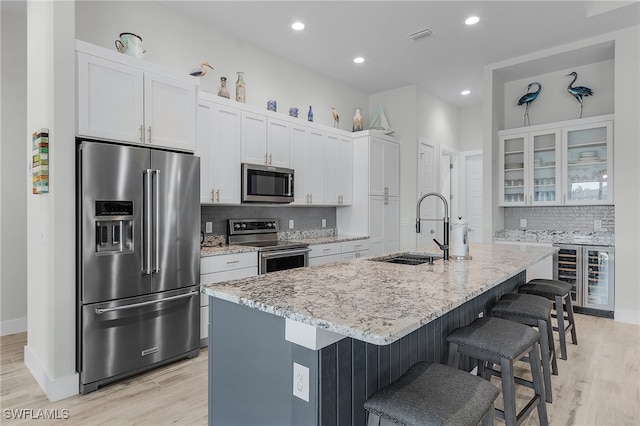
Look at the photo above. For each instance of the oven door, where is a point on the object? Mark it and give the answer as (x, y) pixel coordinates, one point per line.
(280, 260)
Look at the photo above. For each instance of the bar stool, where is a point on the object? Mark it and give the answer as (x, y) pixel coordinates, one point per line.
(503, 342)
(433, 394)
(534, 311)
(558, 292)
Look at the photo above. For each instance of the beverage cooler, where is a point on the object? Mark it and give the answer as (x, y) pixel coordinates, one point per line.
(589, 269)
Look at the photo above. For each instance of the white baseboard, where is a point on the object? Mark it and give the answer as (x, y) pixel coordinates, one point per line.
(57, 389)
(18, 325)
(627, 315)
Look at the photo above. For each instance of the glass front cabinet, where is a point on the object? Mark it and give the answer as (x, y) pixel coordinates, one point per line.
(557, 164)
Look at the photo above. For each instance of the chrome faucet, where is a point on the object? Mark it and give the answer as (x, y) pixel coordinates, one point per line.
(445, 245)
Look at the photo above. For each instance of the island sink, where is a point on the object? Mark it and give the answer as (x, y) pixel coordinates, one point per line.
(409, 258)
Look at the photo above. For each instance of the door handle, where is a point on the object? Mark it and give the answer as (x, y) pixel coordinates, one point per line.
(100, 311)
(156, 220)
(146, 219)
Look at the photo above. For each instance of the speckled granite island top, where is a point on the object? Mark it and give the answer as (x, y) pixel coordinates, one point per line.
(378, 302)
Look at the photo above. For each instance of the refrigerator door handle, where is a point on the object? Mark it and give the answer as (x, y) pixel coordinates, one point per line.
(100, 311)
(156, 220)
(146, 218)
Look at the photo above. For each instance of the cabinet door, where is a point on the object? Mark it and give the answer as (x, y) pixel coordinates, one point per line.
(588, 164)
(254, 138)
(298, 151)
(204, 149)
(110, 97)
(346, 171)
(377, 224)
(392, 169)
(544, 163)
(376, 166)
(227, 155)
(513, 157)
(278, 143)
(317, 162)
(392, 224)
(169, 112)
(332, 168)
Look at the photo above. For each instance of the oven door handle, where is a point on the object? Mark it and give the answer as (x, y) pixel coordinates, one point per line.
(283, 253)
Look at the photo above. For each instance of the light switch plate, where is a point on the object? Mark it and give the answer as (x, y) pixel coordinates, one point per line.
(301, 381)
(523, 223)
(290, 223)
(324, 223)
(597, 224)
(208, 227)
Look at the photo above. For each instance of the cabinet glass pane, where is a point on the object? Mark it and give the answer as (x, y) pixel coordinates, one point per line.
(568, 270)
(544, 167)
(597, 277)
(514, 170)
(587, 164)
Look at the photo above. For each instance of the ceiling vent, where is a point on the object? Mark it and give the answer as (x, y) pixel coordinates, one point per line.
(426, 32)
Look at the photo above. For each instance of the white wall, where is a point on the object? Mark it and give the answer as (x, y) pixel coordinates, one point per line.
(554, 103)
(182, 44)
(50, 351)
(13, 167)
(470, 128)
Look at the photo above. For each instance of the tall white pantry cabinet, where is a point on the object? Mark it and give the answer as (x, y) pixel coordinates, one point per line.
(376, 191)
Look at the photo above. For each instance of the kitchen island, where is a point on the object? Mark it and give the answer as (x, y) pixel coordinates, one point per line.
(345, 328)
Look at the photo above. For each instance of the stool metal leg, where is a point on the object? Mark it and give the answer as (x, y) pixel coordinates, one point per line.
(538, 387)
(574, 337)
(561, 330)
(552, 348)
(544, 350)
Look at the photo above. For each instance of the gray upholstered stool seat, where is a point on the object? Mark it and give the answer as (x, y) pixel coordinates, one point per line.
(534, 311)
(503, 342)
(433, 394)
(560, 293)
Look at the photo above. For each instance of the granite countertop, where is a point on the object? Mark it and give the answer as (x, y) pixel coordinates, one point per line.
(331, 239)
(597, 238)
(378, 302)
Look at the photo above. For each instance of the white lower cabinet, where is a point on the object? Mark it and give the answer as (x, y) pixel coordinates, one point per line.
(321, 254)
(215, 269)
(384, 224)
(355, 249)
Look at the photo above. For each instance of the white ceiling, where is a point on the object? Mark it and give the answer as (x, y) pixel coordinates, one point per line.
(446, 63)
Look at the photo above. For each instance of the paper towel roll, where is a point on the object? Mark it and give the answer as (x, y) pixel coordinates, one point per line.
(459, 240)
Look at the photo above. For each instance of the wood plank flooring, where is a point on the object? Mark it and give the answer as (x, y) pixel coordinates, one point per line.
(598, 385)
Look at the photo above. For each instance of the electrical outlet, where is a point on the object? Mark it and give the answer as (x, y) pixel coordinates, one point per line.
(208, 227)
(301, 381)
(597, 224)
(324, 223)
(481, 314)
(290, 223)
(523, 223)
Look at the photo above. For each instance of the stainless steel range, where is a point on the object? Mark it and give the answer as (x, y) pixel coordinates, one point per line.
(273, 255)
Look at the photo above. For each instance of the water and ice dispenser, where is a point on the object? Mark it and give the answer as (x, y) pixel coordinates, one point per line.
(114, 227)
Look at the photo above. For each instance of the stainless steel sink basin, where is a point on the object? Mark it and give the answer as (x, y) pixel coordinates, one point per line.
(409, 258)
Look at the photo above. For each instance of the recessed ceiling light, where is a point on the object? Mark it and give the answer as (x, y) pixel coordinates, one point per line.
(358, 60)
(472, 20)
(465, 92)
(298, 26)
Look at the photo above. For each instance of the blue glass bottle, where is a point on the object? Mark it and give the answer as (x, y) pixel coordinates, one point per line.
(310, 115)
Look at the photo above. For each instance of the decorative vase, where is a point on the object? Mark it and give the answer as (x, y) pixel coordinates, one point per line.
(241, 88)
(310, 114)
(357, 121)
(272, 105)
(293, 112)
(223, 92)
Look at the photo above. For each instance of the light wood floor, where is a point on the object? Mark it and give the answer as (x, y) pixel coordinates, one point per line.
(598, 385)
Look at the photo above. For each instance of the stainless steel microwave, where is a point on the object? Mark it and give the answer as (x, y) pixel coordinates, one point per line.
(266, 184)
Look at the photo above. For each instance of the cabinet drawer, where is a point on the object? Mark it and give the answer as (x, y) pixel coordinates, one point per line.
(325, 249)
(356, 245)
(321, 260)
(228, 262)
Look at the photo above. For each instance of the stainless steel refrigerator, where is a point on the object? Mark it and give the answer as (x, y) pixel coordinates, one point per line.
(138, 260)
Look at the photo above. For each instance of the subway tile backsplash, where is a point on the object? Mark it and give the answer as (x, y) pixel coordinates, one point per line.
(304, 218)
(561, 218)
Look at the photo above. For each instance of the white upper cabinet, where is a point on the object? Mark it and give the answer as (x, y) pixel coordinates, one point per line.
(265, 140)
(568, 163)
(124, 99)
(384, 167)
(219, 131)
(332, 168)
(346, 172)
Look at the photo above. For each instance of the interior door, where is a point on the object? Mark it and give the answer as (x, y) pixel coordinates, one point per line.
(426, 184)
(176, 220)
(111, 183)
